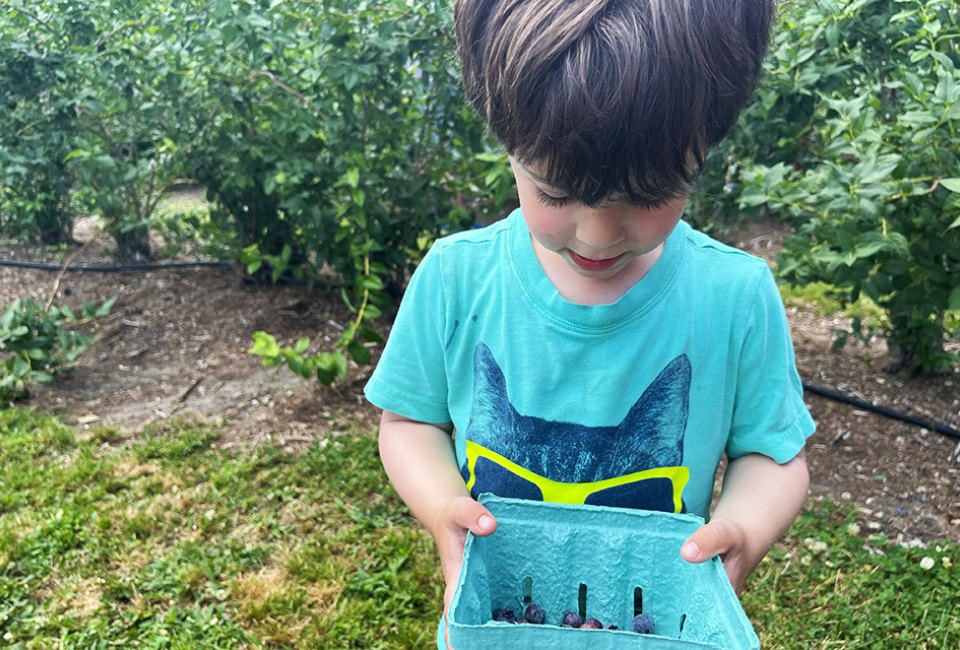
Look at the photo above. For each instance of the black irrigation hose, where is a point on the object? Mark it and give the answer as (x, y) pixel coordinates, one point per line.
(153, 266)
(108, 268)
(882, 410)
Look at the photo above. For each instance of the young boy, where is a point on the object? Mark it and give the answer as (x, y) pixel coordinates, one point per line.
(592, 347)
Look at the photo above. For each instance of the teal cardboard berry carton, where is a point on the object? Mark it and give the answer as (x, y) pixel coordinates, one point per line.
(606, 563)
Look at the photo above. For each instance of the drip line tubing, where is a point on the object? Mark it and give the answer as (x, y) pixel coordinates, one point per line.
(883, 410)
(108, 268)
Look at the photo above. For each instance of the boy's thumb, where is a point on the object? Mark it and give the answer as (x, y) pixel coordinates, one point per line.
(476, 518)
(709, 540)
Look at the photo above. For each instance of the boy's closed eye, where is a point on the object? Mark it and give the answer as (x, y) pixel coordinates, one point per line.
(553, 201)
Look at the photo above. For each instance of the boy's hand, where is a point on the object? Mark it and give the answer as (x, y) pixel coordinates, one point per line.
(726, 538)
(450, 533)
(759, 500)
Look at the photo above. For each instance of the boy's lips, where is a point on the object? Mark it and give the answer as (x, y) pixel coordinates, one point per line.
(593, 265)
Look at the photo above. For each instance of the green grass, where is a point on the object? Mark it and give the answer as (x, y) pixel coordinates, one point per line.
(170, 542)
(185, 219)
(167, 541)
(825, 586)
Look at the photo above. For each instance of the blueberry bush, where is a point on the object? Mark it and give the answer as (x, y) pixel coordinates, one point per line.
(38, 341)
(37, 133)
(853, 140)
(101, 100)
(331, 137)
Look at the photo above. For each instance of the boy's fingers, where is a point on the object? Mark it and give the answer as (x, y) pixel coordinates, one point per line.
(708, 541)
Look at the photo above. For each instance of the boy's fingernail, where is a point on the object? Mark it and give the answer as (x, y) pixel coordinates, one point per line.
(486, 521)
(690, 551)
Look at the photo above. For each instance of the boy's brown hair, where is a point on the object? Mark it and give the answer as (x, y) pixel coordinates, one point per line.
(612, 97)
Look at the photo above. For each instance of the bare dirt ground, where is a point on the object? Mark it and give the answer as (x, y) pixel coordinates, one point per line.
(176, 343)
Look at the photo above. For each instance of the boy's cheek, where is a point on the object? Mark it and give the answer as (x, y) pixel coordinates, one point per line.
(549, 230)
(550, 242)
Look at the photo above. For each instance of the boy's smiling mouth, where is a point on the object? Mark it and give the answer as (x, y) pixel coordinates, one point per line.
(588, 264)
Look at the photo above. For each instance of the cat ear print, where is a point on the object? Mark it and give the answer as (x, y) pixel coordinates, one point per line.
(669, 390)
(492, 410)
(485, 365)
(664, 405)
(488, 379)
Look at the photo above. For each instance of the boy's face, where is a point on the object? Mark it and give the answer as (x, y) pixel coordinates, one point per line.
(612, 241)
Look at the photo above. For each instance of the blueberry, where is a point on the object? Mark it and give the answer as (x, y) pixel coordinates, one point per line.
(613, 627)
(571, 619)
(643, 624)
(503, 615)
(591, 624)
(534, 614)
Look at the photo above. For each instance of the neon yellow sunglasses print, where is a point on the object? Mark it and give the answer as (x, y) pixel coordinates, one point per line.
(577, 493)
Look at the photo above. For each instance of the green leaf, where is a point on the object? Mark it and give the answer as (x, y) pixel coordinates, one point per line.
(832, 34)
(952, 184)
(352, 177)
(369, 334)
(954, 301)
(41, 377)
(943, 59)
(264, 345)
(331, 366)
(299, 366)
(37, 354)
(869, 250)
(104, 309)
(914, 119)
(500, 158)
(373, 283)
(21, 367)
(302, 344)
(359, 352)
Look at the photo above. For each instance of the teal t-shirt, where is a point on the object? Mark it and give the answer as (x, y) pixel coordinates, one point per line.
(629, 404)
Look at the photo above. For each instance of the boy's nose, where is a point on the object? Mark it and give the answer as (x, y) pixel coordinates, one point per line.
(599, 229)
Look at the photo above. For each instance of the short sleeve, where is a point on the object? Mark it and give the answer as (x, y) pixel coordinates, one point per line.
(410, 377)
(770, 416)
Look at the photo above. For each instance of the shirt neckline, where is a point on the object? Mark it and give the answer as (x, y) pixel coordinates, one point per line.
(633, 304)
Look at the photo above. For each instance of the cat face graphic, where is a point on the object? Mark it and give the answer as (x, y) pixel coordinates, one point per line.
(635, 463)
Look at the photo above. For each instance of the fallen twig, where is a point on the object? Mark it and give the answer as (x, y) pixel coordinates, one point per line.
(185, 394)
(67, 262)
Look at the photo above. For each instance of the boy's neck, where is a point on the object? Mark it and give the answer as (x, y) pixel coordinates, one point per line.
(590, 291)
